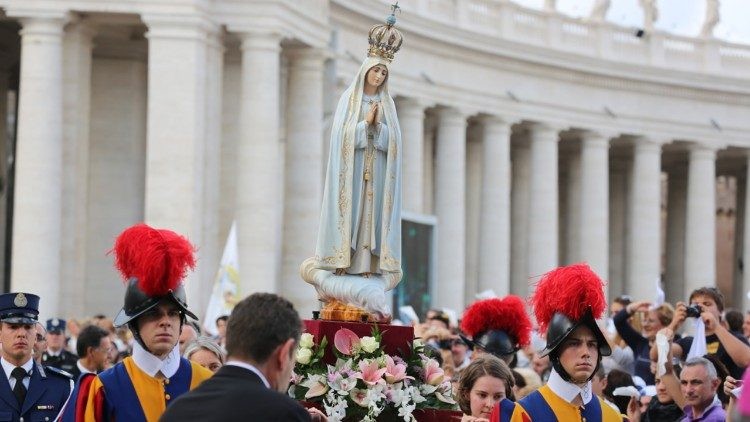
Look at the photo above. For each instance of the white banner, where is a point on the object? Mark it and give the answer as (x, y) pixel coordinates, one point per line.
(225, 292)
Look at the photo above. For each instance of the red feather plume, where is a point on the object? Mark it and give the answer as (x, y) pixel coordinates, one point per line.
(569, 290)
(507, 314)
(158, 258)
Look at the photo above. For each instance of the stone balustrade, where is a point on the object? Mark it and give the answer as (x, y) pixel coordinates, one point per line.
(512, 22)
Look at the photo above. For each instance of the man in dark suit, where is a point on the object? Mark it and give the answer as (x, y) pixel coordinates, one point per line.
(93, 347)
(28, 391)
(262, 334)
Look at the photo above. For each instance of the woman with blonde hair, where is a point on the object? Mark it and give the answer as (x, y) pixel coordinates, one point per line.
(654, 319)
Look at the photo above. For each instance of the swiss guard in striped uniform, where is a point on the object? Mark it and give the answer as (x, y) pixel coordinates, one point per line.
(153, 262)
(567, 302)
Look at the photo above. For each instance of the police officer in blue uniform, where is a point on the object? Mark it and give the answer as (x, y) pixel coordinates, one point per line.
(28, 391)
(56, 355)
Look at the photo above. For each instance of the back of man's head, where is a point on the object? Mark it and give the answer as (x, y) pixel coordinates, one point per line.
(259, 324)
(734, 319)
(91, 336)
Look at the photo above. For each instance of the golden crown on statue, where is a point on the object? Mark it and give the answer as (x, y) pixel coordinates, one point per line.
(385, 40)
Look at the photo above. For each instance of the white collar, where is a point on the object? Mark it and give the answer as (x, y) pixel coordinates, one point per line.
(151, 364)
(54, 354)
(250, 368)
(567, 390)
(83, 369)
(9, 367)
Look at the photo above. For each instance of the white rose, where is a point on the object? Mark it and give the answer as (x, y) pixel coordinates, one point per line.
(418, 343)
(303, 356)
(369, 344)
(306, 341)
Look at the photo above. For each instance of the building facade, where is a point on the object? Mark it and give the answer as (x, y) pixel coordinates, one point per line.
(533, 138)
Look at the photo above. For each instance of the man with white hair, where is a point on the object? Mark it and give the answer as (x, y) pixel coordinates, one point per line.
(698, 381)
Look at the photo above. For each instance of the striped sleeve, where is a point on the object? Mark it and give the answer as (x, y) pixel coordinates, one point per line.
(95, 405)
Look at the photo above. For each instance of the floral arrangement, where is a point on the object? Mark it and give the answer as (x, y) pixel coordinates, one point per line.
(366, 383)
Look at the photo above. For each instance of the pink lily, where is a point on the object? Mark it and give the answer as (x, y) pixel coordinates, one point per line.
(359, 396)
(316, 385)
(345, 341)
(371, 374)
(433, 374)
(395, 372)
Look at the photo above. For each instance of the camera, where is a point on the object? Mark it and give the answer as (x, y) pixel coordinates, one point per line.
(694, 311)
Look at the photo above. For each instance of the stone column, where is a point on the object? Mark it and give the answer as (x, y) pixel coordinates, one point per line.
(519, 212)
(569, 195)
(738, 254)
(543, 201)
(594, 207)
(700, 230)
(746, 239)
(411, 118)
(37, 214)
(644, 245)
(176, 131)
(472, 213)
(494, 231)
(674, 274)
(4, 147)
(258, 161)
(618, 232)
(450, 198)
(211, 249)
(304, 172)
(77, 48)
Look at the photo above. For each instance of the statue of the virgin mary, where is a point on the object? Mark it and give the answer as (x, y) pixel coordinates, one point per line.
(359, 237)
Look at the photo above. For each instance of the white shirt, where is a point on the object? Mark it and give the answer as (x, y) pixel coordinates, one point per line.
(9, 367)
(151, 364)
(82, 368)
(568, 391)
(250, 368)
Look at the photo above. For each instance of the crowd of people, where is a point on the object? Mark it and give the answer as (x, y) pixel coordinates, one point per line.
(700, 377)
(639, 361)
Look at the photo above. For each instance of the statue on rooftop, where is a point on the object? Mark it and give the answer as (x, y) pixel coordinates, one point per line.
(711, 20)
(650, 14)
(599, 11)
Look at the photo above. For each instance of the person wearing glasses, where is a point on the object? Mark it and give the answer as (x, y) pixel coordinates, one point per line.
(93, 346)
(40, 345)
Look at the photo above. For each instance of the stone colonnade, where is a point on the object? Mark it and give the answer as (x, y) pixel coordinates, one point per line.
(185, 71)
(279, 189)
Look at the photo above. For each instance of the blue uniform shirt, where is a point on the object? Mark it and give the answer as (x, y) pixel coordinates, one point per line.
(47, 394)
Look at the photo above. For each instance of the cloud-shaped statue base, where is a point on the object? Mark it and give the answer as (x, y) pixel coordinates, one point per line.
(367, 293)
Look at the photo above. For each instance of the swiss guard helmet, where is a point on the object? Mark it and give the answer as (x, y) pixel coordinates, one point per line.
(153, 263)
(567, 298)
(497, 326)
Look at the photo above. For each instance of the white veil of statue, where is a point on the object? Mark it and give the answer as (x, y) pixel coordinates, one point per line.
(345, 223)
